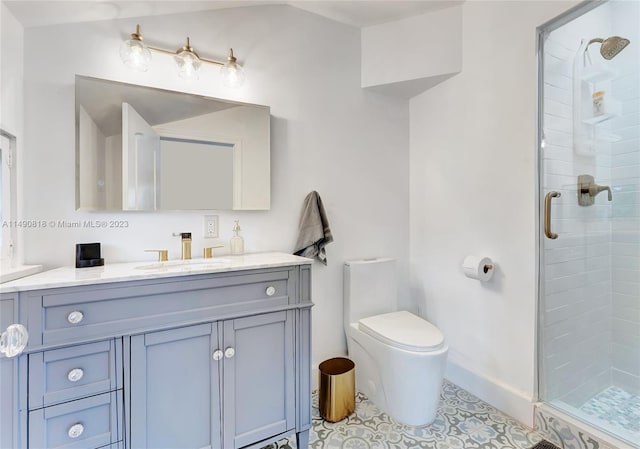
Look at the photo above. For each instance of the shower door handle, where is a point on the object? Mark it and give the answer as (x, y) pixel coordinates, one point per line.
(547, 215)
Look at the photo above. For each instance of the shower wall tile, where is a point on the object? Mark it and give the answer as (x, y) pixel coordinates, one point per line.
(626, 358)
(625, 263)
(620, 236)
(629, 105)
(626, 327)
(560, 94)
(627, 198)
(622, 160)
(558, 138)
(625, 381)
(556, 123)
(624, 300)
(558, 80)
(626, 172)
(557, 108)
(556, 65)
(625, 146)
(626, 86)
(626, 339)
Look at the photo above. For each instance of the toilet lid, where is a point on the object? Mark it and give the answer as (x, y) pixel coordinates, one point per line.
(403, 330)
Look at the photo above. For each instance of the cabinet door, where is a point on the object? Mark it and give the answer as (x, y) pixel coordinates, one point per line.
(175, 389)
(258, 378)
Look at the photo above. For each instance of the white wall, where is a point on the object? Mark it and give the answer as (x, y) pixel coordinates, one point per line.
(406, 57)
(327, 134)
(473, 191)
(11, 72)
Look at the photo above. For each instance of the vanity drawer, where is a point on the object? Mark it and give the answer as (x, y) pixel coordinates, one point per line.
(119, 309)
(83, 424)
(65, 374)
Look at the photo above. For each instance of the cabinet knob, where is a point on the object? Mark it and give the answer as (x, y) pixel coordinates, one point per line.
(76, 430)
(229, 352)
(217, 355)
(75, 374)
(271, 290)
(75, 317)
(13, 340)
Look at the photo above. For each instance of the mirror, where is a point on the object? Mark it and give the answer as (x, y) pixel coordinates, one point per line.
(141, 148)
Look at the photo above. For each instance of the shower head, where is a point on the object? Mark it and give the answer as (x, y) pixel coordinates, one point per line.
(611, 46)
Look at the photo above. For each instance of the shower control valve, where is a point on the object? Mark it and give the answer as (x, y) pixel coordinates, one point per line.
(588, 189)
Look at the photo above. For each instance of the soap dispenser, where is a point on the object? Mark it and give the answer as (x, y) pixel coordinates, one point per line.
(237, 242)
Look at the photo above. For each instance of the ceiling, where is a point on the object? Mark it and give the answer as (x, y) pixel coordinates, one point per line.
(360, 13)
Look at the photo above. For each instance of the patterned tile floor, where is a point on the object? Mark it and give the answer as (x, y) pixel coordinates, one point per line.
(463, 422)
(616, 407)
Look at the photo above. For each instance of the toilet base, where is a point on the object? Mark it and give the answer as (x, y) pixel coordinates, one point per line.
(404, 384)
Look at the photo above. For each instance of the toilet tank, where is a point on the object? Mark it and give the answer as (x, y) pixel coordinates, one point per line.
(370, 288)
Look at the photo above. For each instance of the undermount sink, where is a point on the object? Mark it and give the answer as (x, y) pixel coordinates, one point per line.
(184, 265)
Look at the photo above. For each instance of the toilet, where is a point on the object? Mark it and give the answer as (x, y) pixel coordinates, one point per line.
(400, 358)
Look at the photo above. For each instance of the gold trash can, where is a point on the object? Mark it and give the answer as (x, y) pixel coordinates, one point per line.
(337, 390)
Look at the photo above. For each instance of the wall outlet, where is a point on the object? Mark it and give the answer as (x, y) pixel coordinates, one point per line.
(210, 226)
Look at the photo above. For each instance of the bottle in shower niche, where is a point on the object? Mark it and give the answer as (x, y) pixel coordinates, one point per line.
(598, 103)
(237, 242)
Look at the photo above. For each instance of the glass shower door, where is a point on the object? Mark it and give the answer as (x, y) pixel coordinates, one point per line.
(589, 361)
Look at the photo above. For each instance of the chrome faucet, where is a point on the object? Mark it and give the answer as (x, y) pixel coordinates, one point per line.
(588, 189)
(186, 244)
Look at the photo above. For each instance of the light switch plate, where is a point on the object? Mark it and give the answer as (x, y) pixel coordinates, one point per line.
(210, 226)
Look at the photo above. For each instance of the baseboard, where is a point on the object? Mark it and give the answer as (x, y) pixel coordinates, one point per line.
(506, 399)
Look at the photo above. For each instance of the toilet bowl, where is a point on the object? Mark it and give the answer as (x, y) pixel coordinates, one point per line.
(400, 358)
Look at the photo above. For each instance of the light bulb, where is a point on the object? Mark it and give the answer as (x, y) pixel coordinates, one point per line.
(188, 62)
(134, 53)
(232, 72)
(188, 65)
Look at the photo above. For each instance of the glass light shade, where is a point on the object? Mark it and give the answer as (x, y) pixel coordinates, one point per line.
(135, 55)
(232, 74)
(188, 65)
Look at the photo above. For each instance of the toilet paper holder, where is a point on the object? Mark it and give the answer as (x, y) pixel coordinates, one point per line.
(480, 268)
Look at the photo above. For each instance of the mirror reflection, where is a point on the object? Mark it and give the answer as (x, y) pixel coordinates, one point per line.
(140, 148)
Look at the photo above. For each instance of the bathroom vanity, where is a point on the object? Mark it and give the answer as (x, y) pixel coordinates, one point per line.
(160, 356)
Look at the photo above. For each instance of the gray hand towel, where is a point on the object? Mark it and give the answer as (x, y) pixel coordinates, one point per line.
(313, 233)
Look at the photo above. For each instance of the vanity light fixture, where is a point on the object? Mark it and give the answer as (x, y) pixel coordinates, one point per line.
(136, 55)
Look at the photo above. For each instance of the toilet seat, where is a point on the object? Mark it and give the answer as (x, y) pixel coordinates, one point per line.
(403, 330)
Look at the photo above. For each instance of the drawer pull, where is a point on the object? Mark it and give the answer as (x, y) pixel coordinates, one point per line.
(76, 430)
(217, 355)
(229, 352)
(75, 317)
(271, 290)
(75, 374)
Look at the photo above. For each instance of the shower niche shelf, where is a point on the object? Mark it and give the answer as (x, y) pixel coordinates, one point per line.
(598, 119)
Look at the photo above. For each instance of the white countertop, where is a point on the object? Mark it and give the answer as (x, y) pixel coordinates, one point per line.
(134, 271)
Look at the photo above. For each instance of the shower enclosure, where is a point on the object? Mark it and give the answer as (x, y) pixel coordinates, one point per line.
(589, 177)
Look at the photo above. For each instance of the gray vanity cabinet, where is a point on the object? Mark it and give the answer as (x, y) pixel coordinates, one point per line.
(175, 396)
(204, 361)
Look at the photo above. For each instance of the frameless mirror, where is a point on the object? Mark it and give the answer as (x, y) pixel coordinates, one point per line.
(140, 148)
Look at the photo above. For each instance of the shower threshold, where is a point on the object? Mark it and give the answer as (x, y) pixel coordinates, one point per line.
(570, 427)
